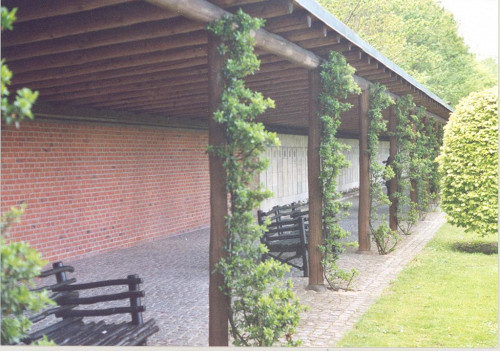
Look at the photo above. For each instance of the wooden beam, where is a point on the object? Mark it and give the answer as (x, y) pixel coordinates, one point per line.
(112, 64)
(219, 303)
(113, 83)
(315, 194)
(105, 18)
(109, 52)
(201, 10)
(71, 113)
(136, 32)
(393, 184)
(266, 9)
(118, 74)
(296, 20)
(318, 30)
(364, 175)
(29, 10)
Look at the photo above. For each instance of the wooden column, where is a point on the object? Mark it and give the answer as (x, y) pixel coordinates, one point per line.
(393, 185)
(218, 301)
(364, 175)
(315, 194)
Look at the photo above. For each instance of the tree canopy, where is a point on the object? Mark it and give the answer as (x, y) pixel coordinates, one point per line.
(469, 164)
(422, 38)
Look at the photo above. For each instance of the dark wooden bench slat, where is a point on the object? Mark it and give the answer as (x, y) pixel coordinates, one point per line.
(113, 335)
(52, 271)
(55, 286)
(99, 284)
(100, 298)
(142, 333)
(94, 332)
(51, 328)
(50, 311)
(100, 312)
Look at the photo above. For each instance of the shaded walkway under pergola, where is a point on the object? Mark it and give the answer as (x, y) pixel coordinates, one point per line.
(175, 274)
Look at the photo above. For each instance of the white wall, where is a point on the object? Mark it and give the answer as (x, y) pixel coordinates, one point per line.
(286, 176)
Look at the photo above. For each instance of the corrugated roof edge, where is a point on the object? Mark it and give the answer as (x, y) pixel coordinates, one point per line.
(327, 18)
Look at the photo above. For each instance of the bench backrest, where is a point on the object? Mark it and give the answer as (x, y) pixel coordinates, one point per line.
(66, 293)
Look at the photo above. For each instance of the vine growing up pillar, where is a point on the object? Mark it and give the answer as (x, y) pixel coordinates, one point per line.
(263, 307)
(385, 239)
(406, 213)
(337, 83)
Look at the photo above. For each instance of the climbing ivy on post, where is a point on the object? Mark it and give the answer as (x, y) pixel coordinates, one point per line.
(263, 307)
(421, 163)
(336, 83)
(406, 212)
(385, 239)
(433, 145)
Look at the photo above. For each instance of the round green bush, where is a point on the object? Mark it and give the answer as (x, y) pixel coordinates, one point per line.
(469, 164)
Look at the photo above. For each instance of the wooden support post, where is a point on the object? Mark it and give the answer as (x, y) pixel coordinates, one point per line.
(364, 175)
(218, 301)
(315, 194)
(393, 184)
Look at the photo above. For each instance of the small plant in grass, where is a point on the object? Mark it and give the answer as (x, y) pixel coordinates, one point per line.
(385, 238)
(263, 307)
(336, 84)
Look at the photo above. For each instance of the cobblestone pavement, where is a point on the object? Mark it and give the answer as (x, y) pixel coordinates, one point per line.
(175, 275)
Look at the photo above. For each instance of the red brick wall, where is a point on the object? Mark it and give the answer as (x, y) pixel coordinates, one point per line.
(93, 187)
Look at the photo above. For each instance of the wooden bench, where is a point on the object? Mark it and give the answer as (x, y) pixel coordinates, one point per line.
(286, 235)
(68, 326)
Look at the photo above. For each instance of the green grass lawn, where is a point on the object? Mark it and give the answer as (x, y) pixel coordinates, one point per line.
(446, 297)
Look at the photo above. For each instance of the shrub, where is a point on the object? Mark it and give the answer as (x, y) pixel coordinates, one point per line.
(469, 164)
(20, 264)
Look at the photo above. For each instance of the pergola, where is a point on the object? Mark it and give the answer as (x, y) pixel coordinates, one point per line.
(153, 63)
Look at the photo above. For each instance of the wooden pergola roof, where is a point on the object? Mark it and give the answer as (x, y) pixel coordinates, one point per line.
(136, 59)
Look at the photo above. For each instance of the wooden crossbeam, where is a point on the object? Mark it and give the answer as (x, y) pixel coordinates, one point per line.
(201, 10)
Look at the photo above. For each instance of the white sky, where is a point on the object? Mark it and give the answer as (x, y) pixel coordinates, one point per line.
(477, 24)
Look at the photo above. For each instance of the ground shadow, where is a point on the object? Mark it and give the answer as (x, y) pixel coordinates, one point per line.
(489, 248)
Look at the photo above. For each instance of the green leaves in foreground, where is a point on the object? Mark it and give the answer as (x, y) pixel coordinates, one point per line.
(20, 264)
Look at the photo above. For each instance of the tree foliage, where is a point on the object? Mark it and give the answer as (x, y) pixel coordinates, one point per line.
(336, 83)
(19, 108)
(422, 38)
(469, 164)
(263, 307)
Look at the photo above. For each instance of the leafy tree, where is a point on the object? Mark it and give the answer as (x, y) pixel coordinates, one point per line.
(469, 164)
(19, 109)
(422, 38)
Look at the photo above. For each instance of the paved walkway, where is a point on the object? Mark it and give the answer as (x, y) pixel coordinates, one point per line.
(175, 274)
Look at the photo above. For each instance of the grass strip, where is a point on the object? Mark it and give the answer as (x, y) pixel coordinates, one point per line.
(446, 297)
